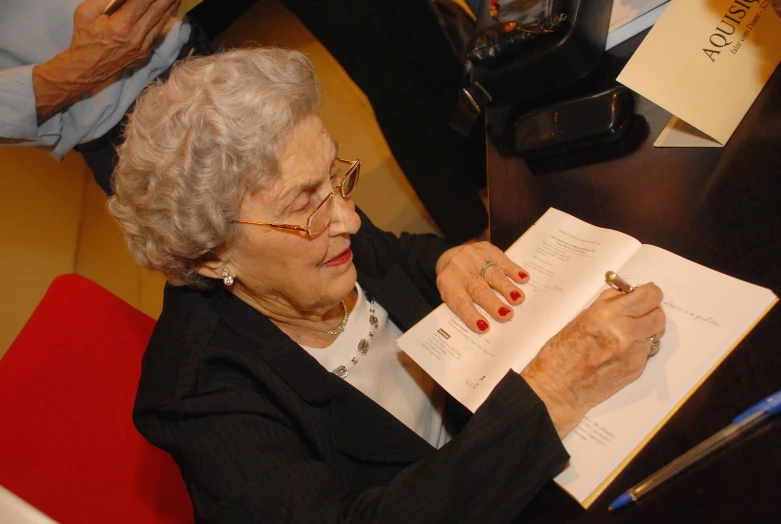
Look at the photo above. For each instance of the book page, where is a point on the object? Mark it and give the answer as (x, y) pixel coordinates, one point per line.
(708, 313)
(567, 260)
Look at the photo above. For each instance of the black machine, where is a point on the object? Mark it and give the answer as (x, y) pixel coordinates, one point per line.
(524, 49)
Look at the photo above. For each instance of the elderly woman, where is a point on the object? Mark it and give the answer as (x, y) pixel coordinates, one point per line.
(272, 377)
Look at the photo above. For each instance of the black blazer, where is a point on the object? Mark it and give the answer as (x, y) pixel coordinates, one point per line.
(262, 433)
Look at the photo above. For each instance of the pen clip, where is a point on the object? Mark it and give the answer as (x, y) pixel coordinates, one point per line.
(769, 405)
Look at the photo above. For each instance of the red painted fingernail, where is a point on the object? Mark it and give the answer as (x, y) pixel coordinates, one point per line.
(482, 325)
(522, 274)
(503, 311)
(515, 295)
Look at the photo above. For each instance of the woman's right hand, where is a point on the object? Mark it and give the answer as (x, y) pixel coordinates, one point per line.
(602, 350)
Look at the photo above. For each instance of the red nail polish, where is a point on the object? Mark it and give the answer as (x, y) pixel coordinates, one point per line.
(482, 325)
(503, 311)
(522, 274)
(515, 295)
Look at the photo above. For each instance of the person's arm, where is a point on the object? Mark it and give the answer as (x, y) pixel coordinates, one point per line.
(777, 7)
(101, 47)
(599, 352)
(603, 349)
(244, 462)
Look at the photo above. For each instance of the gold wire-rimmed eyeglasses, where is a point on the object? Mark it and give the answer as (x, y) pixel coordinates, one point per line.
(320, 218)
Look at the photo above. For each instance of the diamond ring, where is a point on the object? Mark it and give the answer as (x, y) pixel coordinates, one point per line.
(485, 267)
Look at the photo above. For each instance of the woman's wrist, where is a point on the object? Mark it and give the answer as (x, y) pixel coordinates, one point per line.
(564, 414)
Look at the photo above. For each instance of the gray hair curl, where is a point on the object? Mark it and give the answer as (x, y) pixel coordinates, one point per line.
(196, 144)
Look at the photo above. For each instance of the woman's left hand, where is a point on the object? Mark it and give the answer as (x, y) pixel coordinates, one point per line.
(462, 281)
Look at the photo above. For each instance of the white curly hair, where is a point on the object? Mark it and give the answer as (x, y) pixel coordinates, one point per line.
(196, 144)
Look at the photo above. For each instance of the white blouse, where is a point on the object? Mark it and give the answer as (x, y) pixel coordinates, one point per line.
(375, 365)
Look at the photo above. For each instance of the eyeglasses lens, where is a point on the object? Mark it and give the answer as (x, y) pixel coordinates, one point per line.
(351, 180)
(321, 217)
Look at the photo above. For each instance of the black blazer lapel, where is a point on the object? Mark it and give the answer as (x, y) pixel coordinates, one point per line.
(302, 373)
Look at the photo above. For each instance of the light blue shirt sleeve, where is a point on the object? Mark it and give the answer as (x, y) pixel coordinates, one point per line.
(18, 115)
(17, 103)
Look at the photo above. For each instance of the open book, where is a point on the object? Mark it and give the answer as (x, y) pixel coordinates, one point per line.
(708, 313)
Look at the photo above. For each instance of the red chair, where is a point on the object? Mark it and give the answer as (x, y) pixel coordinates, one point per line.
(67, 441)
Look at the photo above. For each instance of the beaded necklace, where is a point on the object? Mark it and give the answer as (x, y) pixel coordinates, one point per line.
(363, 345)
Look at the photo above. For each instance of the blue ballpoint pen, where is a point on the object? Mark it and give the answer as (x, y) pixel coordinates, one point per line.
(747, 420)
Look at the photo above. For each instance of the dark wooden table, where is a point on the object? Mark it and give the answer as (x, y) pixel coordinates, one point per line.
(718, 207)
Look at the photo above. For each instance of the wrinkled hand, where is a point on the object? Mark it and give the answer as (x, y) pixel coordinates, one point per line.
(602, 350)
(106, 45)
(461, 286)
(101, 47)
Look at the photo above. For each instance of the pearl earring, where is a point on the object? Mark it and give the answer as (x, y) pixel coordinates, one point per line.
(227, 279)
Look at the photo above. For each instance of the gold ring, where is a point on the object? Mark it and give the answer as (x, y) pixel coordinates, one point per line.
(656, 344)
(485, 267)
